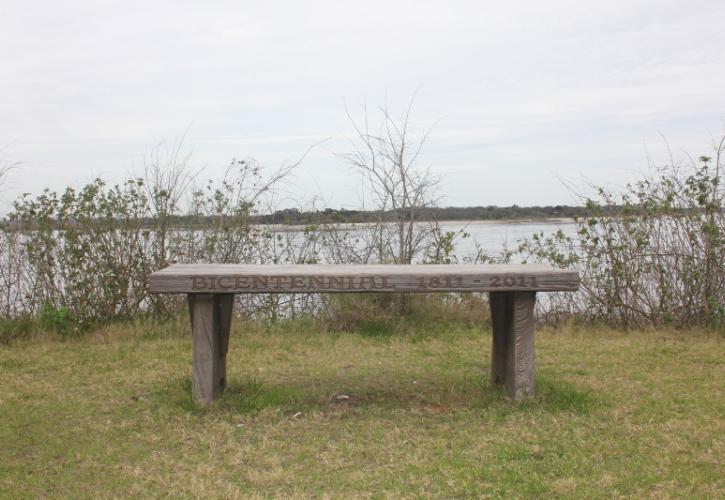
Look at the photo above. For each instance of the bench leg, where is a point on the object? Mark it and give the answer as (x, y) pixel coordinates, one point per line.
(512, 357)
(211, 316)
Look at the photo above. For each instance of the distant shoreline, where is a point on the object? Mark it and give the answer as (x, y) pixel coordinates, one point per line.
(513, 214)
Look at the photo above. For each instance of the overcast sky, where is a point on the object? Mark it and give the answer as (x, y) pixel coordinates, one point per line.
(525, 96)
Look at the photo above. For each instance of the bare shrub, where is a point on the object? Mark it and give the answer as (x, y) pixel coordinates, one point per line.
(398, 191)
(399, 195)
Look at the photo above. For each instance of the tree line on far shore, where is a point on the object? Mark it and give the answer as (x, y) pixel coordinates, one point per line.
(295, 216)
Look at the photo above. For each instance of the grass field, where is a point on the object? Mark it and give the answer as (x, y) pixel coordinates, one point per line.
(352, 415)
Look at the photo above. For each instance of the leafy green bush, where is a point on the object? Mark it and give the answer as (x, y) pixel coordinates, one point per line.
(58, 320)
(87, 253)
(651, 255)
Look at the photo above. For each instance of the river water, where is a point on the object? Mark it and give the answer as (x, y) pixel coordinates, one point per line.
(492, 236)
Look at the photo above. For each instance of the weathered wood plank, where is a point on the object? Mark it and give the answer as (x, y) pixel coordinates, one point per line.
(210, 323)
(241, 278)
(512, 355)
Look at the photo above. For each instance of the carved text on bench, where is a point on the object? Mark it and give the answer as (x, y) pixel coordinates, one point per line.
(280, 282)
(290, 282)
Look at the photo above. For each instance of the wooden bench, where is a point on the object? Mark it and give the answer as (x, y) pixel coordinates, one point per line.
(512, 292)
